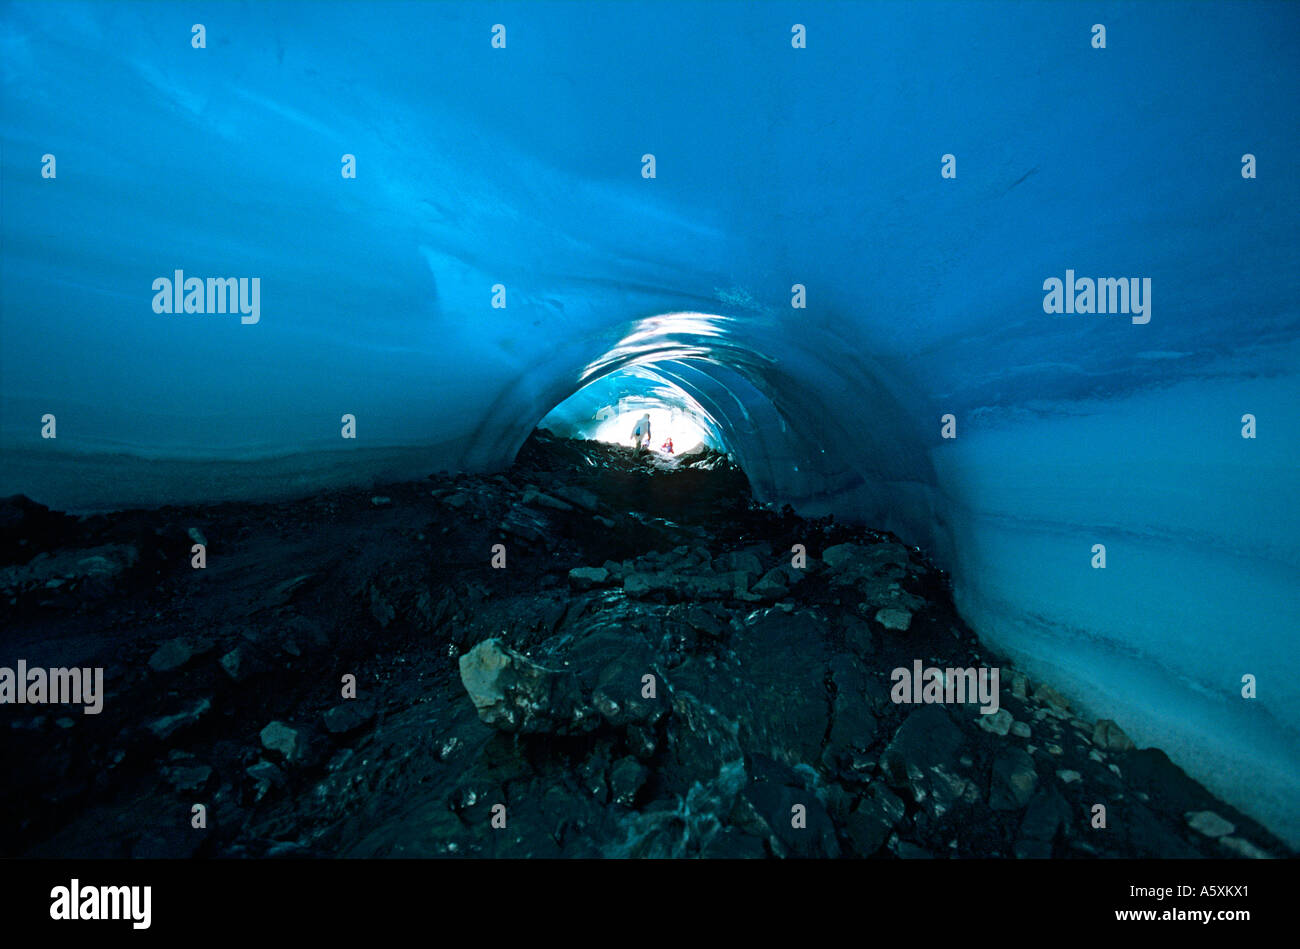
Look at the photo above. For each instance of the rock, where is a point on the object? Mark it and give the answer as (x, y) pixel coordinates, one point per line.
(1047, 813)
(533, 496)
(625, 780)
(578, 497)
(236, 663)
(1150, 769)
(284, 592)
(171, 655)
(514, 694)
(772, 586)
(906, 850)
(1069, 777)
(717, 586)
(1049, 696)
(1014, 780)
(895, 619)
(999, 723)
(164, 728)
(641, 585)
(1020, 729)
(642, 741)
(188, 778)
(1106, 734)
(1209, 823)
(707, 623)
(743, 561)
(1239, 847)
(524, 523)
(27, 527)
(920, 758)
(853, 726)
(300, 630)
(584, 578)
(289, 742)
(877, 813)
(380, 501)
(1019, 685)
(98, 570)
(348, 716)
(854, 563)
(593, 779)
(430, 615)
(773, 794)
(196, 535)
(267, 776)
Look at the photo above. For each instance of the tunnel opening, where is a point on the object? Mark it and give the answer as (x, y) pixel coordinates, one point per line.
(611, 411)
(828, 437)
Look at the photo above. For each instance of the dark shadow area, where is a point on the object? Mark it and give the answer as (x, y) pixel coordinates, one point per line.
(593, 653)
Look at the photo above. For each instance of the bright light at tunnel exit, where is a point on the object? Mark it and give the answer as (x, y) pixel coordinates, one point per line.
(686, 433)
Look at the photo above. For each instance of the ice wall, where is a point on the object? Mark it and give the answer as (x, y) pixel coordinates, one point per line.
(522, 167)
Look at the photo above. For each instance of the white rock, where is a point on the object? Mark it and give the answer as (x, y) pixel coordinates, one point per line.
(1243, 848)
(1209, 823)
(999, 723)
(896, 619)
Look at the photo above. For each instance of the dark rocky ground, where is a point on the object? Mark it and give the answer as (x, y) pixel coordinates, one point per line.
(771, 685)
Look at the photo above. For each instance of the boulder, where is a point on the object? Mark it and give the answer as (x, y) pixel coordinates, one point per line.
(1050, 697)
(534, 497)
(1106, 734)
(625, 780)
(237, 663)
(743, 561)
(921, 756)
(288, 741)
(772, 586)
(878, 812)
(998, 723)
(187, 778)
(171, 655)
(1014, 780)
(514, 694)
(894, 618)
(348, 716)
(1209, 823)
(169, 725)
(1240, 847)
(584, 578)
(578, 497)
(1047, 813)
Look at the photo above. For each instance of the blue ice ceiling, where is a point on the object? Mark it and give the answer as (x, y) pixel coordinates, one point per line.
(522, 168)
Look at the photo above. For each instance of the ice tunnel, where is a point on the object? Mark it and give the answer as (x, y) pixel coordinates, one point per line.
(833, 231)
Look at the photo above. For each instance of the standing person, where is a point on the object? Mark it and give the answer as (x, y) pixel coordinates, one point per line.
(642, 431)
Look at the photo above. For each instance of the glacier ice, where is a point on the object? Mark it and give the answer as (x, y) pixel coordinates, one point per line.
(521, 168)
